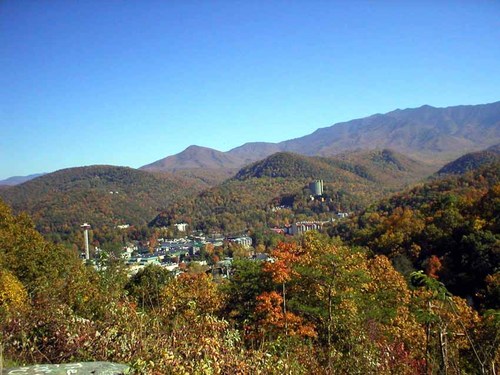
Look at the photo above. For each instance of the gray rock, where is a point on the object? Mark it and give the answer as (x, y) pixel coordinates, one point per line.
(98, 368)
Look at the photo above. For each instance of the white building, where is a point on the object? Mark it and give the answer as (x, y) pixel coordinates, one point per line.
(304, 226)
(181, 227)
(244, 241)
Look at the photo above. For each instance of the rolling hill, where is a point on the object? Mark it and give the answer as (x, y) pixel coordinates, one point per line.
(382, 166)
(102, 195)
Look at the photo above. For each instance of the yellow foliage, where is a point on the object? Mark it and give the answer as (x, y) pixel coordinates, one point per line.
(13, 295)
(192, 292)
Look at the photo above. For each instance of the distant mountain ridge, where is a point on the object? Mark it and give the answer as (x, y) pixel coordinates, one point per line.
(424, 133)
(16, 180)
(433, 135)
(195, 157)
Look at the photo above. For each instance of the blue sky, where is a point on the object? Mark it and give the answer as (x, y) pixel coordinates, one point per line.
(130, 82)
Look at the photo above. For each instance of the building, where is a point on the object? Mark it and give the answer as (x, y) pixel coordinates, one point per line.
(181, 227)
(316, 187)
(244, 241)
(305, 226)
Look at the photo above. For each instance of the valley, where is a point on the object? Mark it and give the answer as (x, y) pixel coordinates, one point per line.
(309, 247)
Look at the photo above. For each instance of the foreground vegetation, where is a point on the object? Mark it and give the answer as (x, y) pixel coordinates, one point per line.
(320, 307)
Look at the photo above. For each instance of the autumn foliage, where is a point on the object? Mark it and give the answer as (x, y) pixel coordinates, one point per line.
(317, 306)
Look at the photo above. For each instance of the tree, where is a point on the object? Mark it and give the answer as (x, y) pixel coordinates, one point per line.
(247, 281)
(449, 323)
(37, 264)
(13, 295)
(146, 286)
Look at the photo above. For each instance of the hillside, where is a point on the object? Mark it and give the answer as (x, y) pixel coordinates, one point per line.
(101, 195)
(429, 134)
(249, 199)
(56, 309)
(206, 178)
(448, 226)
(382, 166)
(285, 165)
(472, 161)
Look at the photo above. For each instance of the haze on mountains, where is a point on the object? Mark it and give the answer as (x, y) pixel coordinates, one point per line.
(16, 180)
(433, 135)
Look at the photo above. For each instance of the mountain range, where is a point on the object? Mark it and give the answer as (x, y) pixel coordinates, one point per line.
(429, 134)
(16, 180)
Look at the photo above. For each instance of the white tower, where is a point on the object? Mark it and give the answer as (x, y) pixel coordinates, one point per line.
(86, 228)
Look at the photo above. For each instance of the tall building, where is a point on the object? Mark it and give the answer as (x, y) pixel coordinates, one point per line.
(86, 228)
(316, 187)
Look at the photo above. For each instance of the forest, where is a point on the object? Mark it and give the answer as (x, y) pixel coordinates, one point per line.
(409, 286)
(246, 201)
(103, 195)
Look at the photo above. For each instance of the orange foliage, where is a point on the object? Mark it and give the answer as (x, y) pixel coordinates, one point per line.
(269, 306)
(285, 255)
(433, 266)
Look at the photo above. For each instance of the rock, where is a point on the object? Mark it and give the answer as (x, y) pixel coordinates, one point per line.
(98, 368)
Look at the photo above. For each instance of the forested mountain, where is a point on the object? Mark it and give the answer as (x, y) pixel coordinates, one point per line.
(384, 166)
(249, 200)
(472, 161)
(448, 226)
(433, 135)
(102, 195)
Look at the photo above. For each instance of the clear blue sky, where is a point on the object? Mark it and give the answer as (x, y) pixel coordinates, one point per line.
(130, 82)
